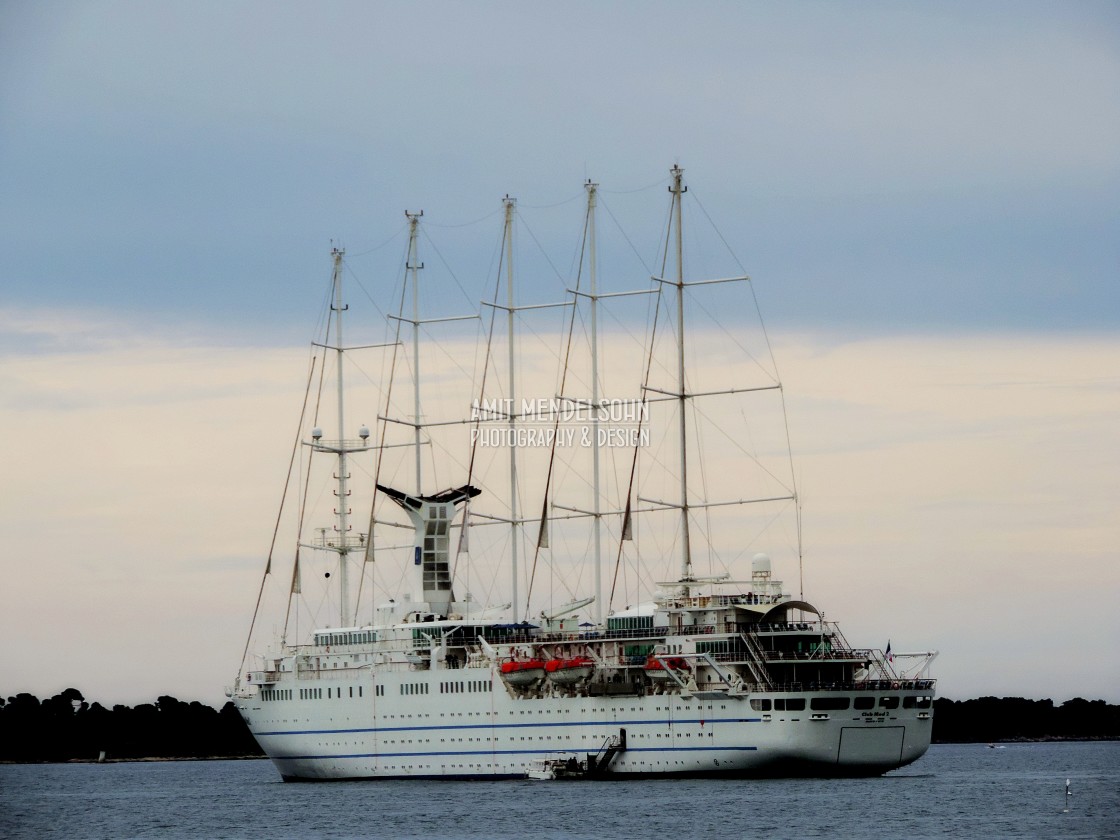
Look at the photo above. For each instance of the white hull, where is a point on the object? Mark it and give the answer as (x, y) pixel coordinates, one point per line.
(489, 734)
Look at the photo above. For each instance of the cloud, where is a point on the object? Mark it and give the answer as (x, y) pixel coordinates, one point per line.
(958, 494)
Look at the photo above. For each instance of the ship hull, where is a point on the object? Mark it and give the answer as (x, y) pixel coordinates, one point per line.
(369, 729)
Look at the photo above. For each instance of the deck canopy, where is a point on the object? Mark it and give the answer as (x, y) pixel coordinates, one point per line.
(775, 613)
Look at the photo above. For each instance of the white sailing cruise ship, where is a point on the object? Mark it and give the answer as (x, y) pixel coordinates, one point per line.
(705, 676)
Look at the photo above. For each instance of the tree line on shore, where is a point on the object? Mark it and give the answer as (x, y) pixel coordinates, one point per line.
(68, 728)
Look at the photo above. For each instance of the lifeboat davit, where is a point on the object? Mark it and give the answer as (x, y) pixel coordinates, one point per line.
(522, 671)
(658, 668)
(567, 671)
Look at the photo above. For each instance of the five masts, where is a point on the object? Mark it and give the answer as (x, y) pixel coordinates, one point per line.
(343, 543)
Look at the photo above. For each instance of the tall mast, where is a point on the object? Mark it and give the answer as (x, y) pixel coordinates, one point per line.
(343, 511)
(413, 266)
(510, 203)
(592, 195)
(686, 547)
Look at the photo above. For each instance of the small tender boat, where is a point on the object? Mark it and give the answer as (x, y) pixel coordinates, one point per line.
(557, 766)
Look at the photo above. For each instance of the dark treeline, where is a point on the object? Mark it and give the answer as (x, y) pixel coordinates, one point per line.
(66, 727)
(1016, 719)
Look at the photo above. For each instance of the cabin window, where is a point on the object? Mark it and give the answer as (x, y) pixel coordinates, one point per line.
(888, 702)
(916, 702)
(789, 704)
(864, 703)
(635, 622)
(829, 704)
(760, 704)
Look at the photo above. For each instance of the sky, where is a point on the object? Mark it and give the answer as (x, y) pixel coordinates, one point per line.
(926, 195)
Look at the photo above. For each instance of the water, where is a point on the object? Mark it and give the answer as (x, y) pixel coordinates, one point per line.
(955, 791)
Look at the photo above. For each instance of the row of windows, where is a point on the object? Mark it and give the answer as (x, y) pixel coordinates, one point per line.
(350, 637)
(414, 688)
(630, 622)
(567, 739)
(468, 686)
(312, 693)
(836, 704)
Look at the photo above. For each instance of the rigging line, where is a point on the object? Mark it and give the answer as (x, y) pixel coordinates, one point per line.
(280, 512)
(368, 558)
(696, 430)
(466, 224)
(772, 375)
(446, 265)
(645, 398)
(718, 232)
(556, 424)
(785, 414)
(550, 206)
(487, 358)
(760, 531)
(626, 522)
(744, 451)
(622, 230)
(358, 281)
(754, 296)
(399, 231)
(796, 499)
(306, 482)
(540, 247)
(638, 190)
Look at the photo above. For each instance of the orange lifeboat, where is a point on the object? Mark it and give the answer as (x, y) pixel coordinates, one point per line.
(658, 668)
(567, 671)
(522, 671)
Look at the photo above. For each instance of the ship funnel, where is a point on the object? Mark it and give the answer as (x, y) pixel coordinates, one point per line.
(431, 517)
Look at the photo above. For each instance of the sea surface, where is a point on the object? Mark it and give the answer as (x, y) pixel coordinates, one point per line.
(960, 791)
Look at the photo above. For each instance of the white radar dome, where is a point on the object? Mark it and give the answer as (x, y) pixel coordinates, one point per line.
(363, 432)
(316, 433)
(760, 564)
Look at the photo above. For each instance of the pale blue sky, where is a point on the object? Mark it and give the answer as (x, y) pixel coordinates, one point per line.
(878, 166)
(928, 196)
